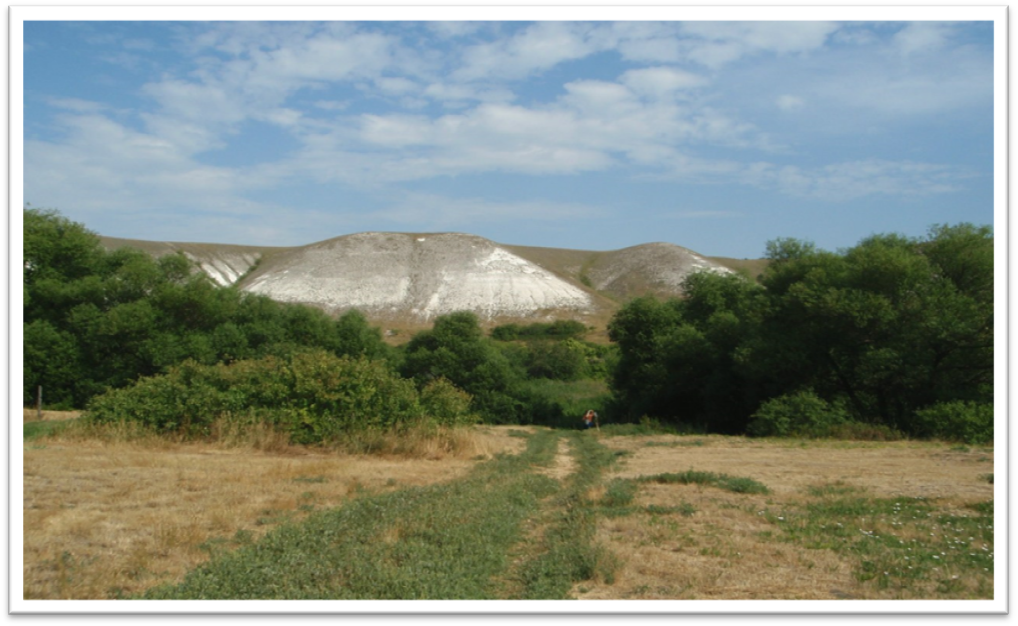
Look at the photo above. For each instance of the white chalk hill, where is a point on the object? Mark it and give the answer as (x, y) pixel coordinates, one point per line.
(417, 277)
(425, 276)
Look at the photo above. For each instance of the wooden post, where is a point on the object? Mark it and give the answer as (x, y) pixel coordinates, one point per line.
(38, 404)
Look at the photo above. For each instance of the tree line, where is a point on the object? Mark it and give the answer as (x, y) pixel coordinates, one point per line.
(894, 335)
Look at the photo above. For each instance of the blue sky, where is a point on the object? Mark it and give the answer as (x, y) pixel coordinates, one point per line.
(717, 136)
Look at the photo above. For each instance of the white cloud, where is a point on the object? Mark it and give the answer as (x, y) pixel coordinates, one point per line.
(938, 85)
(534, 49)
(103, 164)
(77, 105)
(458, 95)
(643, 42)
(326, 59)
(331, 105)
(919, 37)
(396, 130)
(455, 29)
(208, 104)
(433, 212)
(396, 85)
(853, 179)
(788, 102)
(715, 44)
(835, 182)
(661, 82)
(600, 99)
(708, 214)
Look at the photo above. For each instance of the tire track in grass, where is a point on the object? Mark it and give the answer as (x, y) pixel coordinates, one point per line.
(566, 553)
(442, 542)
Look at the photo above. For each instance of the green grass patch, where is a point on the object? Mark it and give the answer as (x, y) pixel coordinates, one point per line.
(685, 509)
(681, 443)
(619, 492)
(710, 479)
(902, 544)
(838, 488)
(37, 430)
(571, 399)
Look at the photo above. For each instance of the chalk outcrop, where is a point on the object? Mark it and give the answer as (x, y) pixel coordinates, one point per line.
(414, 278)
(423, 276)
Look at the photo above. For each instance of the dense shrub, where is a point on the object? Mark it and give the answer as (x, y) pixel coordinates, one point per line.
(444, 402)
(313, 396)
(557, 360)
(559, 329)
(800, 414)
(970, 422)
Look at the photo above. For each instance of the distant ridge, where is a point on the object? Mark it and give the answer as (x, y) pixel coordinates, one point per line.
(411, 278)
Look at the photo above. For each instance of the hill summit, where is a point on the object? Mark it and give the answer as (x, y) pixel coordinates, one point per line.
(413, 278)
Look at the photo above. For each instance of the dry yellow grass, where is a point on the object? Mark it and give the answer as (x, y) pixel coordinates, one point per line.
(718, 552)
(32, 415)
(105, 517)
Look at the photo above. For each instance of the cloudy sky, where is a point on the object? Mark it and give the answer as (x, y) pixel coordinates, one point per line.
(713, 135)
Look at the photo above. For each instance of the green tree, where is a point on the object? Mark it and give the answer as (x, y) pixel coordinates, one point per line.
(883, 330)
(680, 360)
(883, 325)
(455, 349)
(356, 337)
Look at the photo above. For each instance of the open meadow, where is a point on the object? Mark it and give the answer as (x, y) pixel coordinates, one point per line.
(508, 512)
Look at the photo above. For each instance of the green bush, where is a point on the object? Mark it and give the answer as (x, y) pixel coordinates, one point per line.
(971, 422)
(557, 360)
(799, 414)
(559, 329)
(314, 396)
(445, 401)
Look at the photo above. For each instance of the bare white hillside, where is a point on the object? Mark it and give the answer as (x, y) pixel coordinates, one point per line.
(223, 263)
(412, 279)
(422, 276)
(653, 267)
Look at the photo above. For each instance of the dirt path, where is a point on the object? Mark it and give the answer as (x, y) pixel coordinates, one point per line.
(564, 464)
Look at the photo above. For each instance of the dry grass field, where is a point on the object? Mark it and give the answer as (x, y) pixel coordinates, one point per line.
(727, 548)
(105, 519)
